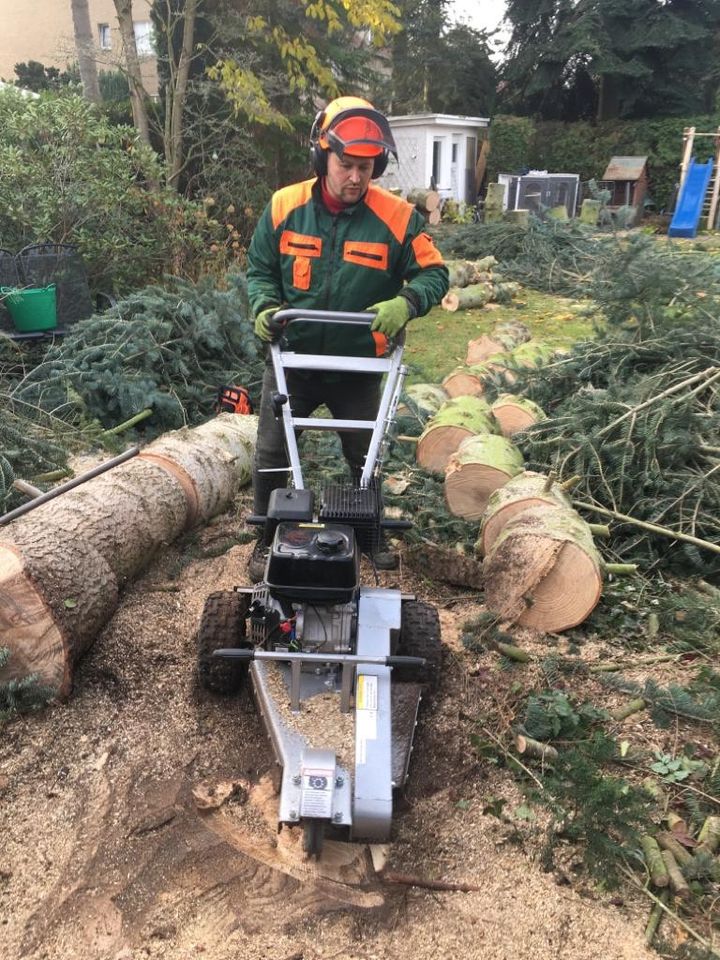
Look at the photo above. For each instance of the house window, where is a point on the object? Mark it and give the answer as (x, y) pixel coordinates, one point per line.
(104, 36)
(143, 37)
(437, 154)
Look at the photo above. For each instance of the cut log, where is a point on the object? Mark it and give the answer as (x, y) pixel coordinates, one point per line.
(480, 465)
(422, 400)
(468, 381)
(525, 491)
(515, 413)
(433, 217)
(503, 338)
(62, 566)
(426, 200)
(461, 272)
(467, 298)
(543, 571)
(454, 422)
(533, 353)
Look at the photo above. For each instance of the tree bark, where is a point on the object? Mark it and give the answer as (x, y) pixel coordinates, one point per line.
(525, 491)
(543, 571)
(423, 400)
(454, 422)
(479, 466)
(176, 92)
(63, 565)
(85, 48)
(138, 94)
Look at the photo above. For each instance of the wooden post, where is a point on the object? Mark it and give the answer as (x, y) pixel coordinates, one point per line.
(712, 212)
(689, 140)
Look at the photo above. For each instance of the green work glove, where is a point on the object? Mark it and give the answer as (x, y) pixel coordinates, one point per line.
(264, 327)
(392, 315)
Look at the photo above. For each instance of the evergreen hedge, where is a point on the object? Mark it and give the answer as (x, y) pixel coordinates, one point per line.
(585, 148)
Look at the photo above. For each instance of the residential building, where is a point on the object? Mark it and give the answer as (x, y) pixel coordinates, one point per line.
(42, 30)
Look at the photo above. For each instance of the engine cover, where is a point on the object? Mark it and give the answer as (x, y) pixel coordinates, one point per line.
(315, 562)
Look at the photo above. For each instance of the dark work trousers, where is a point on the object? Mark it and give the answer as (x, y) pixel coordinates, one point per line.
(354, 397)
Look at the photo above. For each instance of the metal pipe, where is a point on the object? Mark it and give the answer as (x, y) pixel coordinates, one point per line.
(64, 487)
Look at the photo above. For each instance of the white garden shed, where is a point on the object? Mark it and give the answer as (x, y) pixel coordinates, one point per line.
(435, 148)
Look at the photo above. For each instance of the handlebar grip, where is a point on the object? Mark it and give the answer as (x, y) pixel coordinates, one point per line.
(405, 661)
(286, 317)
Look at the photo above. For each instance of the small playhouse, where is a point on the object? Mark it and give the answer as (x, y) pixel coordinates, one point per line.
(439, 150)
(626, 179)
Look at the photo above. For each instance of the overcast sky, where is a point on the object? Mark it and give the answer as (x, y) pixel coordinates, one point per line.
(483, 14)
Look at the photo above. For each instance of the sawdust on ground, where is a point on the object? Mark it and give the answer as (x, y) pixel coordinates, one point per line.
(105, 853)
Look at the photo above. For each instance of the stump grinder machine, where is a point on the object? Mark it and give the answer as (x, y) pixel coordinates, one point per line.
(311, 630)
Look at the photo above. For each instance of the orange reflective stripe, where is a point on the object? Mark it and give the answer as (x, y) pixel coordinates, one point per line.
(381, 343)
(367, 254)
(302, 273)
(394, 212)
(300, 244)
(426, 253)
(288, 199)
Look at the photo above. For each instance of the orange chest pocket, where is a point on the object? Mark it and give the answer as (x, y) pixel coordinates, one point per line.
(375, 255)
(303, 248)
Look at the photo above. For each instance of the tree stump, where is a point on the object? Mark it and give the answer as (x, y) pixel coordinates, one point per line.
(524, 491)
(543, 571)
(516, 413)
(479, 466)
(62, 565)
(454, 422)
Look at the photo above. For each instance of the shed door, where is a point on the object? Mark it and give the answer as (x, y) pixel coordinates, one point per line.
(455, 179)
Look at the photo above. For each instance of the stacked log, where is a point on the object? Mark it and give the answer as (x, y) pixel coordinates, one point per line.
(473, 284)
(63, 565)
(515, 413)
(454, 422)
(543, 570)
(480, 465)
(427, 202)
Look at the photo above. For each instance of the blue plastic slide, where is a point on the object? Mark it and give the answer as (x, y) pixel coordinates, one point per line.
(690, 202)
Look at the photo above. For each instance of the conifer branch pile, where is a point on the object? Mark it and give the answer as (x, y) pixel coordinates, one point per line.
(165, 348)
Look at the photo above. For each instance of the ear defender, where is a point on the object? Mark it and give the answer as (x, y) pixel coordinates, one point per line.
(347, 123)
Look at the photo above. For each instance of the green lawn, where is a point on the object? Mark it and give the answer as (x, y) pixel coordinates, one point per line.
(437, 343)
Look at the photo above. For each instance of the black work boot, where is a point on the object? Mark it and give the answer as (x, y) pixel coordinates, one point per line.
(258, 561)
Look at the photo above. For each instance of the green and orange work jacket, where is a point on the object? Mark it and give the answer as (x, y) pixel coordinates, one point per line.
(302, 256)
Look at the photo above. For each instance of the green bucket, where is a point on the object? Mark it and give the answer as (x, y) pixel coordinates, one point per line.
(31, 308)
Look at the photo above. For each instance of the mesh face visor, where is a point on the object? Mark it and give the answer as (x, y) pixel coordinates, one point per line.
(360, 132)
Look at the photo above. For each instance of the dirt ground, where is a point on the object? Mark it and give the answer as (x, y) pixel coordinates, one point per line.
(134, 817)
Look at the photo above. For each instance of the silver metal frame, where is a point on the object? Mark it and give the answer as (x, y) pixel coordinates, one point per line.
(393, 366)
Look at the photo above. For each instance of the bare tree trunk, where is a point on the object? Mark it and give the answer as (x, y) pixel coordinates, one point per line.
(85, 48)
(138, 94)
(176, 95)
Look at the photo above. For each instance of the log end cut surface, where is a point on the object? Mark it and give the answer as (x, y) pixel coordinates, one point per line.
(437, 446)
(29, 632)
(540, 582)
(468, 489)
(512, 418)
(463, 385)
